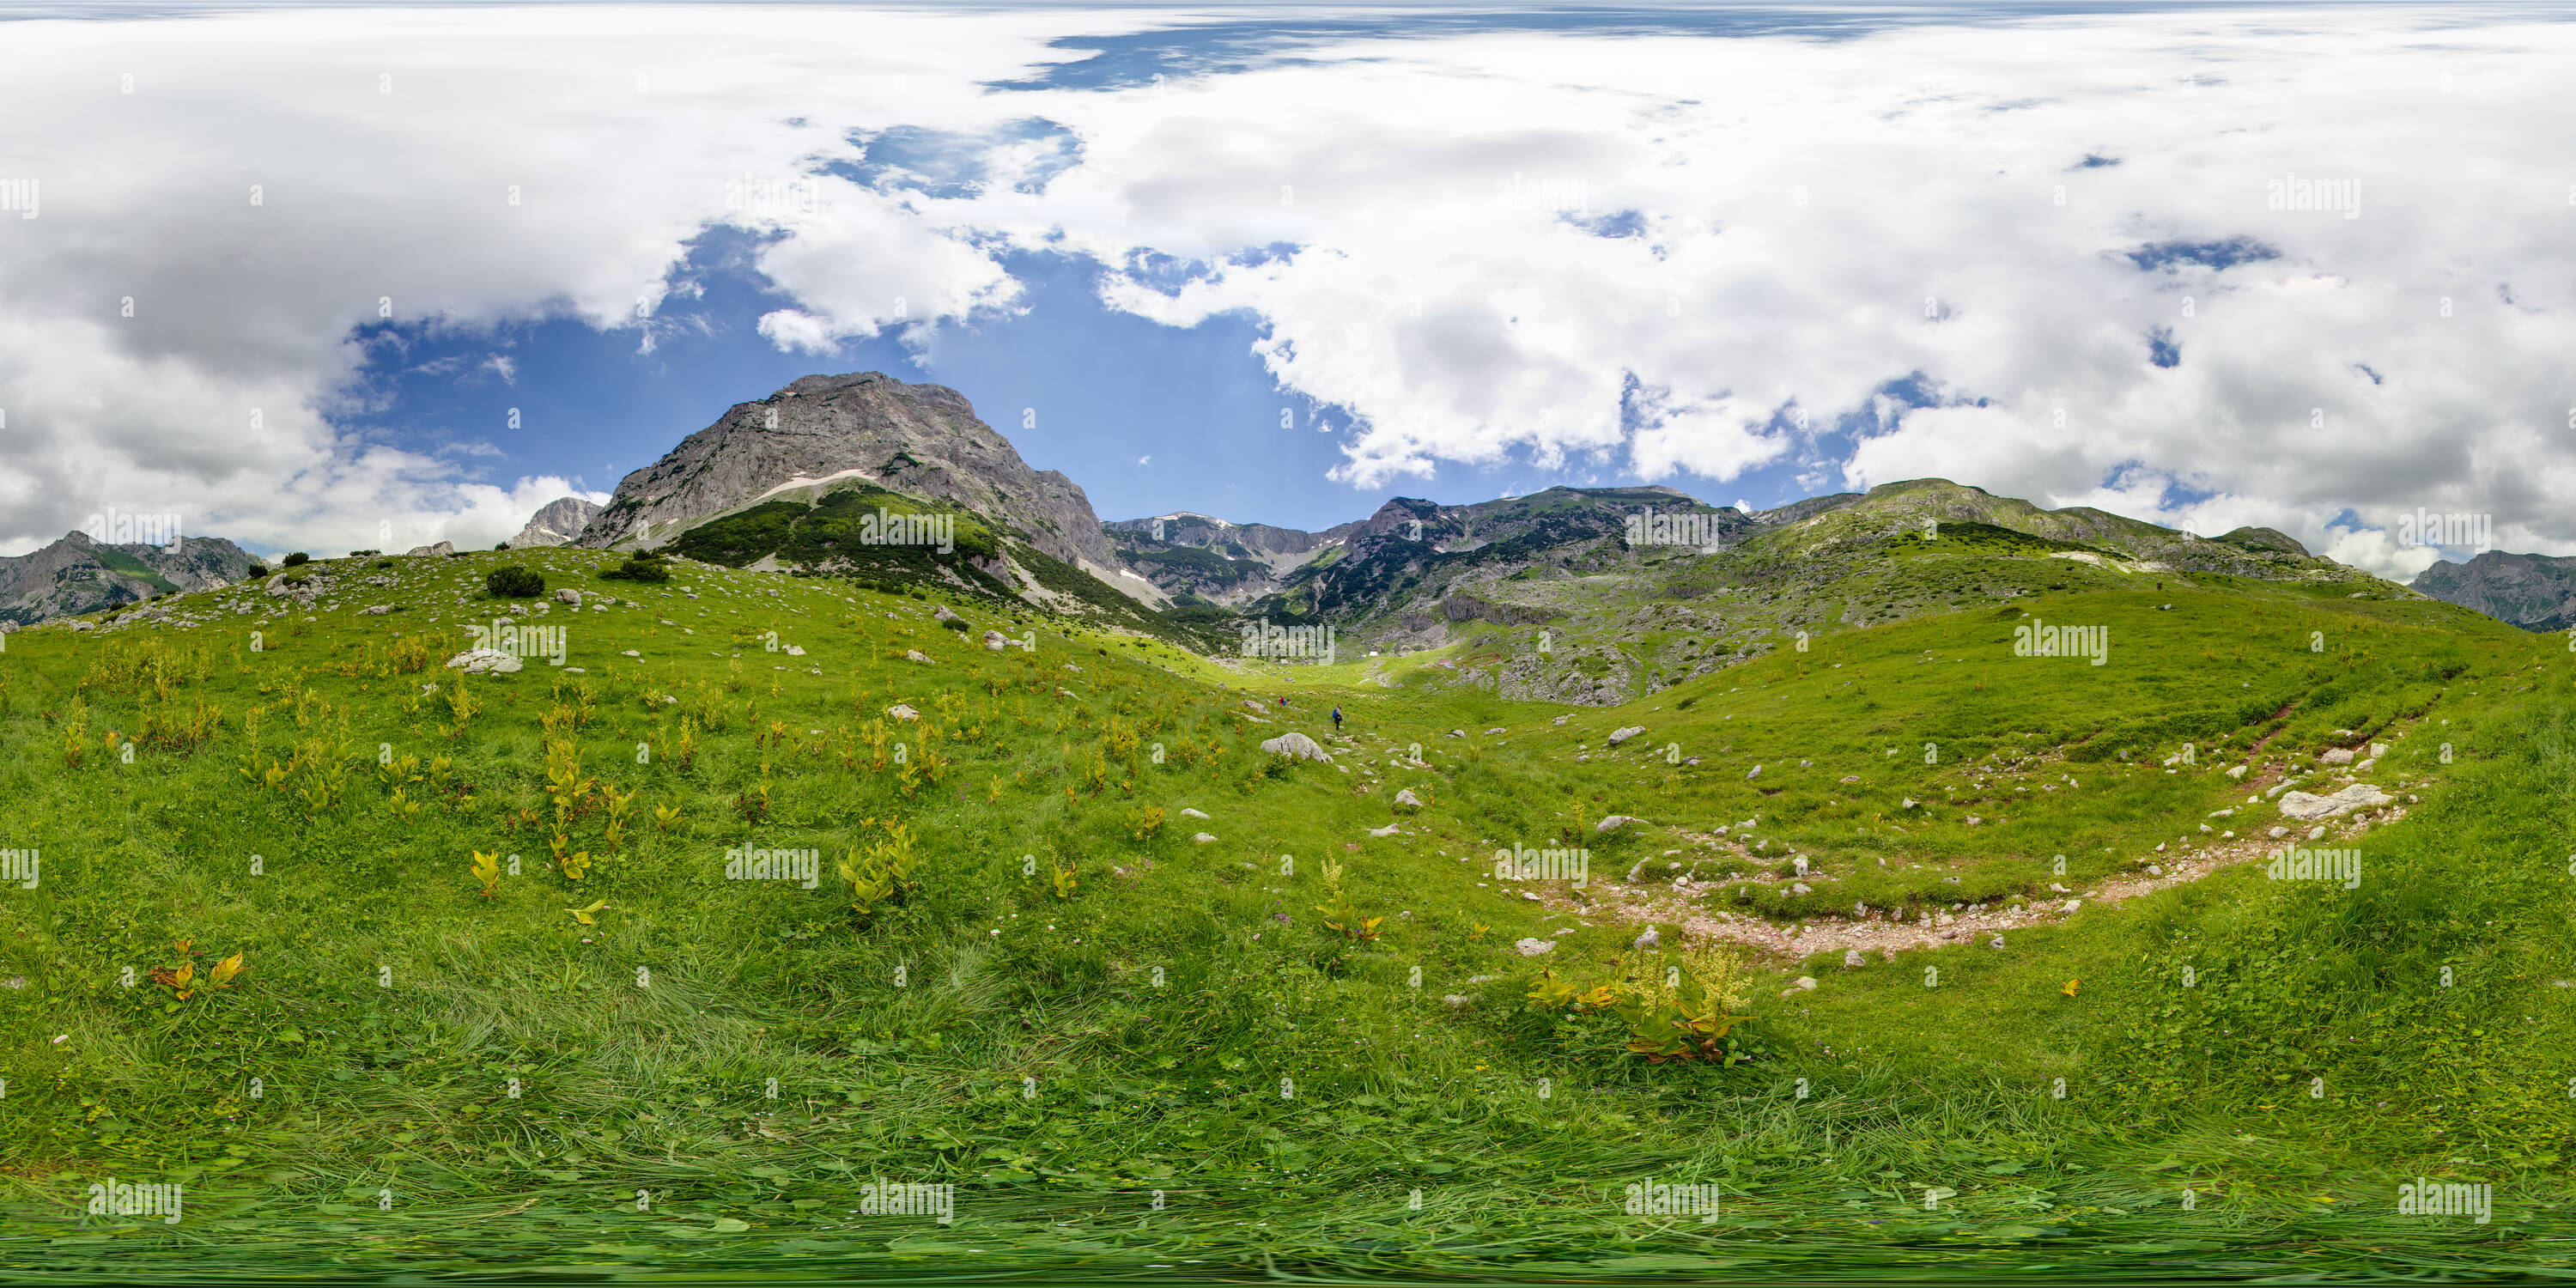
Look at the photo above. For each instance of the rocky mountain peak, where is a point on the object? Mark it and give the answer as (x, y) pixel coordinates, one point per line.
(557, 523)
(920, 439)
(80, 574)
(2534, 592)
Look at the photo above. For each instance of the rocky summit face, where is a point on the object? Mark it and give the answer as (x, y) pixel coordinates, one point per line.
(1186, 553)
(2534, 592)
(923, 440)
(558, 523)
(81, 575)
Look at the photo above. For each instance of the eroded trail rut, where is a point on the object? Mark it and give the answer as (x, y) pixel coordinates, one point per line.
(1677, 904)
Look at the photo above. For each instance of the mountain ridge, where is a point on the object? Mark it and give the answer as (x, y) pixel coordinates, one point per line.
(2534, 592)
(78, 574)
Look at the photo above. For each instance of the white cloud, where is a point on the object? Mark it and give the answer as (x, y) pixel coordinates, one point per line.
(1793, 209)
(1801, 207)
(525, 163)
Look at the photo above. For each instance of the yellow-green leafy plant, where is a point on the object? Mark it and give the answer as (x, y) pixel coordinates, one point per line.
(575, 865)
(460, 703)
(412, 653)
(620, 805)
(487, 871)
(565, 785)
(883, 872)
(322, 774)
(400, 770)
(1145, 821)
(1340, 914)
(687, 746)
(182, 980)
(1680, 1010)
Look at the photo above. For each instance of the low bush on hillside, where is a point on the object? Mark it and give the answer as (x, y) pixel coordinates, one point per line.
(511, 581)
(641, 566)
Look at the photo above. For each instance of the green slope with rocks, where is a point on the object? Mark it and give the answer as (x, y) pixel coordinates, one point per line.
(528, 971)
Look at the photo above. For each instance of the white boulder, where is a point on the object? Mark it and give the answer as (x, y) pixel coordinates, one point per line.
(1297, 745)
(2301, 805)
(478, 661)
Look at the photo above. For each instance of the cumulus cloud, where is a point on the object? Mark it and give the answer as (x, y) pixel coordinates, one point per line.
(2070, 259)
(176, 324)
(2067, 228)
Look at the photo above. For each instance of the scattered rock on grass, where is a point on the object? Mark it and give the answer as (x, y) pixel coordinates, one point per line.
(478, 661)
(2301, 805)
(1297, 745)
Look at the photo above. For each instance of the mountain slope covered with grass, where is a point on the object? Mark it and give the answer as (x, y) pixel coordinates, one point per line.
(1929, 941)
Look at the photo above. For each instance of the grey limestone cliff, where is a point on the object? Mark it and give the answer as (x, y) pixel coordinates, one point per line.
(920, 439)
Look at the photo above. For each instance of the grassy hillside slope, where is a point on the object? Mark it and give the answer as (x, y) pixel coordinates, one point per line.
(1324, 1038)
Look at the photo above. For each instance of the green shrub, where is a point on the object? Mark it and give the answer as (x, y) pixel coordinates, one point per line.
(511, 581)
(641, 566)
(256, 570)
(298, 558)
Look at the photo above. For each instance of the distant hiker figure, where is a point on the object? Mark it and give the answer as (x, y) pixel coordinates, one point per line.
(1337, 719)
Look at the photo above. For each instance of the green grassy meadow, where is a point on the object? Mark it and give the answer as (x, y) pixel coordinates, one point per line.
(1297, 1048)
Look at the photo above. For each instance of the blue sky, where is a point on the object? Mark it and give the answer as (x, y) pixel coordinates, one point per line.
(1147, 418)
(2301, 266)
